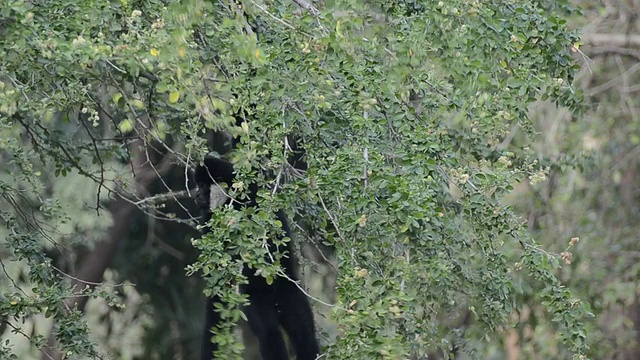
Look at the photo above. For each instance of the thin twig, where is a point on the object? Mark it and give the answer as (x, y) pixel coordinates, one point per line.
(274, 17)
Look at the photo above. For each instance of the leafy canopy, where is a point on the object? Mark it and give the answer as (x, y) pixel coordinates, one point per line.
(404, 109)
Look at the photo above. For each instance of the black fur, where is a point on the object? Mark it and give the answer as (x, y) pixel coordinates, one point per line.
(271, 306)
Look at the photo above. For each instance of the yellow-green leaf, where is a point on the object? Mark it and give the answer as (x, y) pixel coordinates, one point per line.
(125, 126)
(174, 96)
(218, 104)
(137, 104)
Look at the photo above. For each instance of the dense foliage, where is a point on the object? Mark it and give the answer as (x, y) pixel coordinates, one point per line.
(404, 109)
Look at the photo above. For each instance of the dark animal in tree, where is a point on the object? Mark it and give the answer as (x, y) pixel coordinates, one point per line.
(280, 304)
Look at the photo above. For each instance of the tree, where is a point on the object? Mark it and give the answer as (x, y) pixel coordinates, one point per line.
(592, 193)
(404, 110)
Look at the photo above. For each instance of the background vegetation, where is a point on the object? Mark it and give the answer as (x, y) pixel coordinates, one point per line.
(471, 189)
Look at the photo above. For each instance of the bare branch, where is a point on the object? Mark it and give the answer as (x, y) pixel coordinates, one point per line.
(620, 40)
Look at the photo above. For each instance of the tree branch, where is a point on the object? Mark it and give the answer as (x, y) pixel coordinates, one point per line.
(619, 40)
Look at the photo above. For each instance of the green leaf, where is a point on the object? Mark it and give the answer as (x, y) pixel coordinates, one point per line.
(137, 104)
(125, 126)
(174, 96)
